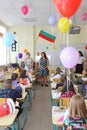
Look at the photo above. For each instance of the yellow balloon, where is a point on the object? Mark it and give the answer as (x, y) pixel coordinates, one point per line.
(64, 24)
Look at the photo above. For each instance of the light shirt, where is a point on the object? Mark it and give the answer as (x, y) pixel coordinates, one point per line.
(81, 59)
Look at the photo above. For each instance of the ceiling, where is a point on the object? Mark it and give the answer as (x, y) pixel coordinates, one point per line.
(38, 14)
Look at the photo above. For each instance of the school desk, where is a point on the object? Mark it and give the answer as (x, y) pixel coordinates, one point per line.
(10, 121)
(24, 99)
(54, 97)
(1, 83)
(33, 80)
(57, 117)
(84, 81)
(28, 89)
(79, 76)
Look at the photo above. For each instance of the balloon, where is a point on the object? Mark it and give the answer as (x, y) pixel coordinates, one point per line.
(84, 16)
(67, 7)
(69, 57)
(64, 24)
(8, 39)
(52, 20)
(1, 35)
(25, 50)
(20, 55)
(24, 9)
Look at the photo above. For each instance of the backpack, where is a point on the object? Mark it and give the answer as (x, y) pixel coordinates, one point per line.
(4, 93)
(16, 93)
(75, 124)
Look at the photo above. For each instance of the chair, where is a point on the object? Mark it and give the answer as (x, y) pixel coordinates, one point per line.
(2, 100)
(57, 80)
(64, 102)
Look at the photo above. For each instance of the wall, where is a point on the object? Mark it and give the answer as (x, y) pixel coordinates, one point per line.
(24, 38)
(27, 37)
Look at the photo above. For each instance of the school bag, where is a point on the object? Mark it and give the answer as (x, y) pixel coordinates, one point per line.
(75, 124)
(4, 93)
(16, 93)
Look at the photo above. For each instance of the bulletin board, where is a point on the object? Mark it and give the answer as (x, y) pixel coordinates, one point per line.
(53, 51)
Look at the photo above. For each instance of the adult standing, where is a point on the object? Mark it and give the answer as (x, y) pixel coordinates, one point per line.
(43, 68)
(79, 66)
(28, 62)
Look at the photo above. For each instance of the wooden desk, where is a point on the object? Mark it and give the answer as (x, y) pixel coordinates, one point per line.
(57, 125)
(10, 121)
(24, 99)
(79, 76)
(84, 79)
(1, 83)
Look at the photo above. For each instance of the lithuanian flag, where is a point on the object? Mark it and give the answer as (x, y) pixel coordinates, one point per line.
(47, 36)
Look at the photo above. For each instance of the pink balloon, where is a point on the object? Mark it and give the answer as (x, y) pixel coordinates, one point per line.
(69, 57)
(24, 9)
(84, 16)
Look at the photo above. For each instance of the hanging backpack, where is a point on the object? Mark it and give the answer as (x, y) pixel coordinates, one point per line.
(75, 124)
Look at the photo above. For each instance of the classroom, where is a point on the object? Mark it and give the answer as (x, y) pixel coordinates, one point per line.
(43, 65)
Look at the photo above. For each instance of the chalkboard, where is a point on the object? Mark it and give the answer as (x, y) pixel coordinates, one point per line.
(53, 51)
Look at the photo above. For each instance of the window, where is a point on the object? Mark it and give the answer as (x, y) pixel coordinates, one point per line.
(2, 47)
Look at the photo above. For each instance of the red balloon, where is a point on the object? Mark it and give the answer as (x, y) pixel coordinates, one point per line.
(67, 7)
(24, 9)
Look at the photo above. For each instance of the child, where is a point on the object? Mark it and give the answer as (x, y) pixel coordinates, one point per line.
(77, 114)
(14, 78)
(8, 92)
(67, 90)
(57, 73)
(24, 79)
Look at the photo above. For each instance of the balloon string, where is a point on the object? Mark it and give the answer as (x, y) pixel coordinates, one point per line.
(67, 39)
(68, 82)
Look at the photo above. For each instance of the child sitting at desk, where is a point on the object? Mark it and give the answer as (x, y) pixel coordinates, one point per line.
(67, 91)
(8, 92)
(76, 118)
(15, 80)
(57, 73)
(24, 80)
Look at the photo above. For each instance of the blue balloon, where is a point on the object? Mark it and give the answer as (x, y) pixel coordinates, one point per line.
(8, 39)
(52, 20)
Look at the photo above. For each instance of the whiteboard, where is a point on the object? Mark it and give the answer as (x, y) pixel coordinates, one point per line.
(53, 51)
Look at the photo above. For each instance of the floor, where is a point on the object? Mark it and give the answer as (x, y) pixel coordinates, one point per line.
(39, 117)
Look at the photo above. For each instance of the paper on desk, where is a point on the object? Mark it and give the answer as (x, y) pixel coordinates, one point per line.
(84, 79)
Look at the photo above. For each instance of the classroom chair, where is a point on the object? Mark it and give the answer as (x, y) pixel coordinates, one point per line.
(58, 80)
(2, 100)
(63, 102)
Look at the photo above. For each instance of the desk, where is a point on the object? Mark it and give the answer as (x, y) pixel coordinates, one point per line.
(1, 83)
(29, 91)
(10, 121)
(79, 76)
(84, 80)
(54, 97)
(57, 125)
(33, 80)
(25, 107)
